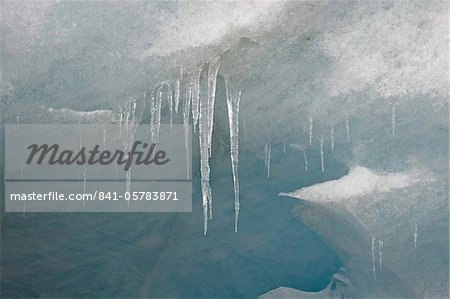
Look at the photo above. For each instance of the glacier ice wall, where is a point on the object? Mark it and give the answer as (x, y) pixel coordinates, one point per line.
(363, 83)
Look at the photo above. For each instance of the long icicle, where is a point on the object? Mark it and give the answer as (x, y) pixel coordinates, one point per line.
(204, 160)
(170, 102)
(233, 120)
(213, 69)
(186, 113)
(178, 90)
(196, 98)
(269, 153)
(156, 118)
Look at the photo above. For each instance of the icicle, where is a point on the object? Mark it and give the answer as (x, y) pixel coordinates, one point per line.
(196, 99)
(305, 158)
(380, 253)
(269, 152)
(204, 160)
(155, 114)
(170, 102)
(332, 136)
(84, 182)
(310, 128)
(17, 119)
(177, 90)
(393, 120)
(266, 150)
(414, 229)
(212, 83)
(186, 113)
(347, 128)
(128, 181)
(233, 119)
(129, 121)
(121, 120)
(373, 258)
(284, 148)
(321, 154)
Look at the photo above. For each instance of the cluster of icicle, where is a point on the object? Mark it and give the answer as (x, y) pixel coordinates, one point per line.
(202, 106)
(128, 118)
(203, 114)
(332, 131)
(198, 102)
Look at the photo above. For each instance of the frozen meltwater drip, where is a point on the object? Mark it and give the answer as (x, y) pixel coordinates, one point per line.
(17, 119)
(347, 128)
(128, 182)
(380, 253)
(322, 166)
(233, 120)
(266, 149)
(196, 98)
(305, 158)
(84, 181)
(332, 136)
(310, 129)
(213, 68)
(373, 258)
(414, 229)
(393, 117)
(120, 113)
(269, 154)
(186, 113)
(155, 113)
(203, 130)
(129, 121)
(170, 103)
(284, 148)
(178, 90)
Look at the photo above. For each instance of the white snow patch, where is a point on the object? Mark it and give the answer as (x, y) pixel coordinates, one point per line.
(358, 182)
